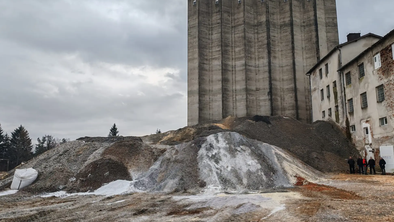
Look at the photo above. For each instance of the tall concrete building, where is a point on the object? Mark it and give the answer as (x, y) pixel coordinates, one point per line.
(250, 57)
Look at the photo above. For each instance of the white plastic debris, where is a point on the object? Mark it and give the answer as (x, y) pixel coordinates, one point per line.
(23, 178)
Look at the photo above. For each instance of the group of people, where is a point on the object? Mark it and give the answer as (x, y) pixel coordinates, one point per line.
(363, 165)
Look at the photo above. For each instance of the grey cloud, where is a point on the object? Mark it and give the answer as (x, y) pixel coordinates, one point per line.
(62, 27)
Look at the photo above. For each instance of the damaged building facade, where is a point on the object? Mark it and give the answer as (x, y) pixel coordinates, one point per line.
(249, 57)
(362, 85)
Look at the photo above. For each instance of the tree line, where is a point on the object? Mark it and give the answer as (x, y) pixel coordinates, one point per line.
(18, 147)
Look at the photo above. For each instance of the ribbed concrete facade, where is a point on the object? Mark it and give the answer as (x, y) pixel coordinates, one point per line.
(250, 57)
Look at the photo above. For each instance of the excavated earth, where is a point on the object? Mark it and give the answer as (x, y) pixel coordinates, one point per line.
(258, 169)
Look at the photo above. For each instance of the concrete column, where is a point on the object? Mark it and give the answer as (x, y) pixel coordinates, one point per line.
(193, 65)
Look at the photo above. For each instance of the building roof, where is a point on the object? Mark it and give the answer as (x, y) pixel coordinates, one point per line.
(391, 33)
(340, 46)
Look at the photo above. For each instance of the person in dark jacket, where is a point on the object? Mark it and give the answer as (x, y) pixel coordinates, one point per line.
(371, 164)
(382, 165)
(360, 165)
(365, 166)
(350, 161)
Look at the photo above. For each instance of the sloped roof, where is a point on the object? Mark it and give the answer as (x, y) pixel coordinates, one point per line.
(340, 46)
(391, 33)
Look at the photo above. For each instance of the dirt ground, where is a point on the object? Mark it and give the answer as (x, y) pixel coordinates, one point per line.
(343, 197)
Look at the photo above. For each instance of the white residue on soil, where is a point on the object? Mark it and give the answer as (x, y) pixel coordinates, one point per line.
(282, 207)
(239, 203)
(229, 161)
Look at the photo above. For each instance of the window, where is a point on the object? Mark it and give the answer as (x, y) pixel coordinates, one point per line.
(376, 60)
(322, 94)
(336, 114)
(352, 128)
(329, 112)
(323, 114)
(350, 103)
(383, 121)
(321, 73)
(326, 66)
(348, 78)
(334, 84)
(361, 72)
(328, 91)
(364, 102)
(380, 94)
(392, 50)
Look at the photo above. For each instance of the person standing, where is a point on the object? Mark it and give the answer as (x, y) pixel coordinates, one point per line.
(371, 163)
(365, 165)
(360, 165)
(350, 161)
(382, 165)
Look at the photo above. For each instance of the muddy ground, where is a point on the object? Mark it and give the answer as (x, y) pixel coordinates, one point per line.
(342, 197)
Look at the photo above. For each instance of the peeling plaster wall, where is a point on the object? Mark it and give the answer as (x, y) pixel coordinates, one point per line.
(340, 56)
(381, 135)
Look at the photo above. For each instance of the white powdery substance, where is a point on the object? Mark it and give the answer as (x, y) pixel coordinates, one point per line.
(216, 159)
(282, 207)
(294, 167)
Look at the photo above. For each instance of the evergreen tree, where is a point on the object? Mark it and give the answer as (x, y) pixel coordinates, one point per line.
(113, 131)
(64, 140)
(5, 152)
(2, 144)
(47, 142)
(21, 146)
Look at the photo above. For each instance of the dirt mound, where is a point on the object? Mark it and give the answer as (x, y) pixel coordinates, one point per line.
(322, 145)
(234, 154)
(224, 161)
(99, 172)
(133, 154)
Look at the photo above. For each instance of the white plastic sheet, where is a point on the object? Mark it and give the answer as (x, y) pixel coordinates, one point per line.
(23, 178)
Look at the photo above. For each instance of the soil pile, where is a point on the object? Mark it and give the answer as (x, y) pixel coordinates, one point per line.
(321, 145)
(233, 155)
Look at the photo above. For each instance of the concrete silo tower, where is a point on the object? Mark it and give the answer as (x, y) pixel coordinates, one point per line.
(250, 57)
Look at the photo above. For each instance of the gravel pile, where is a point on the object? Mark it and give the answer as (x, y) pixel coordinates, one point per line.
(235, 155)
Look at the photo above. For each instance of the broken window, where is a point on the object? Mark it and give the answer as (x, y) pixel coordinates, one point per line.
(361, 72)
(323, 114)
(350, 104)
(326, 66)
(321, 73)
(322, 94)
(364, 102)
(336, 114)
(380, 93)
(348, 78)
(352, 128)
(392, 50)
(383, 121)
(328, 91)
(377, 61)
(329, 112)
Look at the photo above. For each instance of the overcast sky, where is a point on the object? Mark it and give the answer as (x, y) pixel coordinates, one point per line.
(72, 68)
